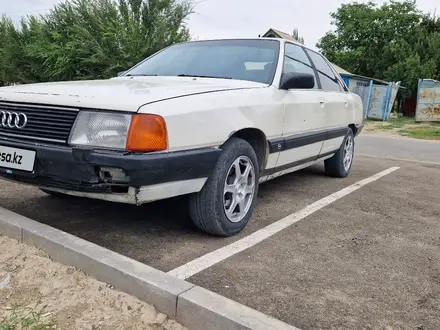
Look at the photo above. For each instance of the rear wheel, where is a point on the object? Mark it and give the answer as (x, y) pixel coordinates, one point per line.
(339, 165)
(225, 204)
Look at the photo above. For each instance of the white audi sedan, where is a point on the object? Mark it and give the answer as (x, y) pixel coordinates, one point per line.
(212, 119)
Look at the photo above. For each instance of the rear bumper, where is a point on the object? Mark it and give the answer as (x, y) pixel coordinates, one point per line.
(79, 171)
(359, 128)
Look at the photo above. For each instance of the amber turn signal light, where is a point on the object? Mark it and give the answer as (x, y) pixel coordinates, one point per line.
(147, 133)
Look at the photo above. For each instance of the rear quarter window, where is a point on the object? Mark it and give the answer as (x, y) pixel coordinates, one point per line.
(327, 76)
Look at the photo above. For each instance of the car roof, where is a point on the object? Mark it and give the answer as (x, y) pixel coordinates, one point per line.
(281, 40)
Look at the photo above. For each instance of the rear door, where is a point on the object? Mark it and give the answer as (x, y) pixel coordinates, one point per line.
(337, 113)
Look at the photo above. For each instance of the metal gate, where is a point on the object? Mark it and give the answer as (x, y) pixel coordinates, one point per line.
(378, 101)
(363, 90)
(428, 101)
(382, 100)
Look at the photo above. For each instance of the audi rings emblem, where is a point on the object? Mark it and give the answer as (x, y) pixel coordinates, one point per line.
(13, 119)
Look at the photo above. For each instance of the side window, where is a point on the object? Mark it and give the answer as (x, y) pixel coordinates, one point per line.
(296, 60)
(328, 79)
(340, 80)
(297, 53)
(342, 84)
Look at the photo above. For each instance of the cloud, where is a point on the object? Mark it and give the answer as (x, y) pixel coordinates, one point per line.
(19, 8)
(238, 18)
(248, 18)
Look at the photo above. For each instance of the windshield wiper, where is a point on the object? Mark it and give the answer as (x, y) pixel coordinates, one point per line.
(140, 75)
(199, 76)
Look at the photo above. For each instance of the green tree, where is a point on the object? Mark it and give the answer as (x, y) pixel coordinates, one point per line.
(394, 41)
(10, 50)
(89, 39)
(297, 37)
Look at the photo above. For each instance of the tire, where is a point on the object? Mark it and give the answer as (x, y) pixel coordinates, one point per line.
(54, 193)
(339, 166)
(210, 209)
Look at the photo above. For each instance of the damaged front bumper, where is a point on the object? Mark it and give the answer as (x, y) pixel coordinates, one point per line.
(125, 177)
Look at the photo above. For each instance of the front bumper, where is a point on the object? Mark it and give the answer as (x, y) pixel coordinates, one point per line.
(78, 170)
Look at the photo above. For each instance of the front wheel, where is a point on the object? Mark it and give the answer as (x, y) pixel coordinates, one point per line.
(339, 165)
(225, 204)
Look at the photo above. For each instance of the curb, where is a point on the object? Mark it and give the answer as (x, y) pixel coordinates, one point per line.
(190, 305)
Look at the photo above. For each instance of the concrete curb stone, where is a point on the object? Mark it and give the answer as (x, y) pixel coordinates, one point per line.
(216, 312)
(11, 227)
(190, 305)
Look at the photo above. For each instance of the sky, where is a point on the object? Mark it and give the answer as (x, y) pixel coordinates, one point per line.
(240, 18)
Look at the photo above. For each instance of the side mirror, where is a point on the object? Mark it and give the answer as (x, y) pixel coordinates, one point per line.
(297, 81)
(120, 73)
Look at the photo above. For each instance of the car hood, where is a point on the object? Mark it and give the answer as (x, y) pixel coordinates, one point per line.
(119, 94)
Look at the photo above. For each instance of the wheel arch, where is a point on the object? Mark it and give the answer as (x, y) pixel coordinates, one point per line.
(257, 139)
(353, 128)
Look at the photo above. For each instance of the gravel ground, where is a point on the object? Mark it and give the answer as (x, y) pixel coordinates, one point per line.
(66, 298)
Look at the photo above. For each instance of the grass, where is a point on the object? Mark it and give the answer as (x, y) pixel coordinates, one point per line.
(26, 318)
(406, 126)
(425, 133)
(396, 123)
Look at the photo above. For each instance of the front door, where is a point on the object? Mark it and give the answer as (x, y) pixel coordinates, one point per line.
(304, 128)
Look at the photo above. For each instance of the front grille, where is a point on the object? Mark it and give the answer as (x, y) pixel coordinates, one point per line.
(45, 123)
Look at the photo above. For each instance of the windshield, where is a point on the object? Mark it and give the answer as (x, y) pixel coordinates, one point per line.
(253, 60)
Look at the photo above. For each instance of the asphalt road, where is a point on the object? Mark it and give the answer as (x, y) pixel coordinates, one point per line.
(410, 149)
(368, 261)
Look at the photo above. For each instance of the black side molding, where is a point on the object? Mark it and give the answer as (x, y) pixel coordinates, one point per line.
(301, 140)
(297, 163)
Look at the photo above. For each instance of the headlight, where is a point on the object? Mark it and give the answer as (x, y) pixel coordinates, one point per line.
(101, 129)
(139, 132)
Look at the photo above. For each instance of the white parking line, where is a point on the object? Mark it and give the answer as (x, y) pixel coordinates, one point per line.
(196, 266)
